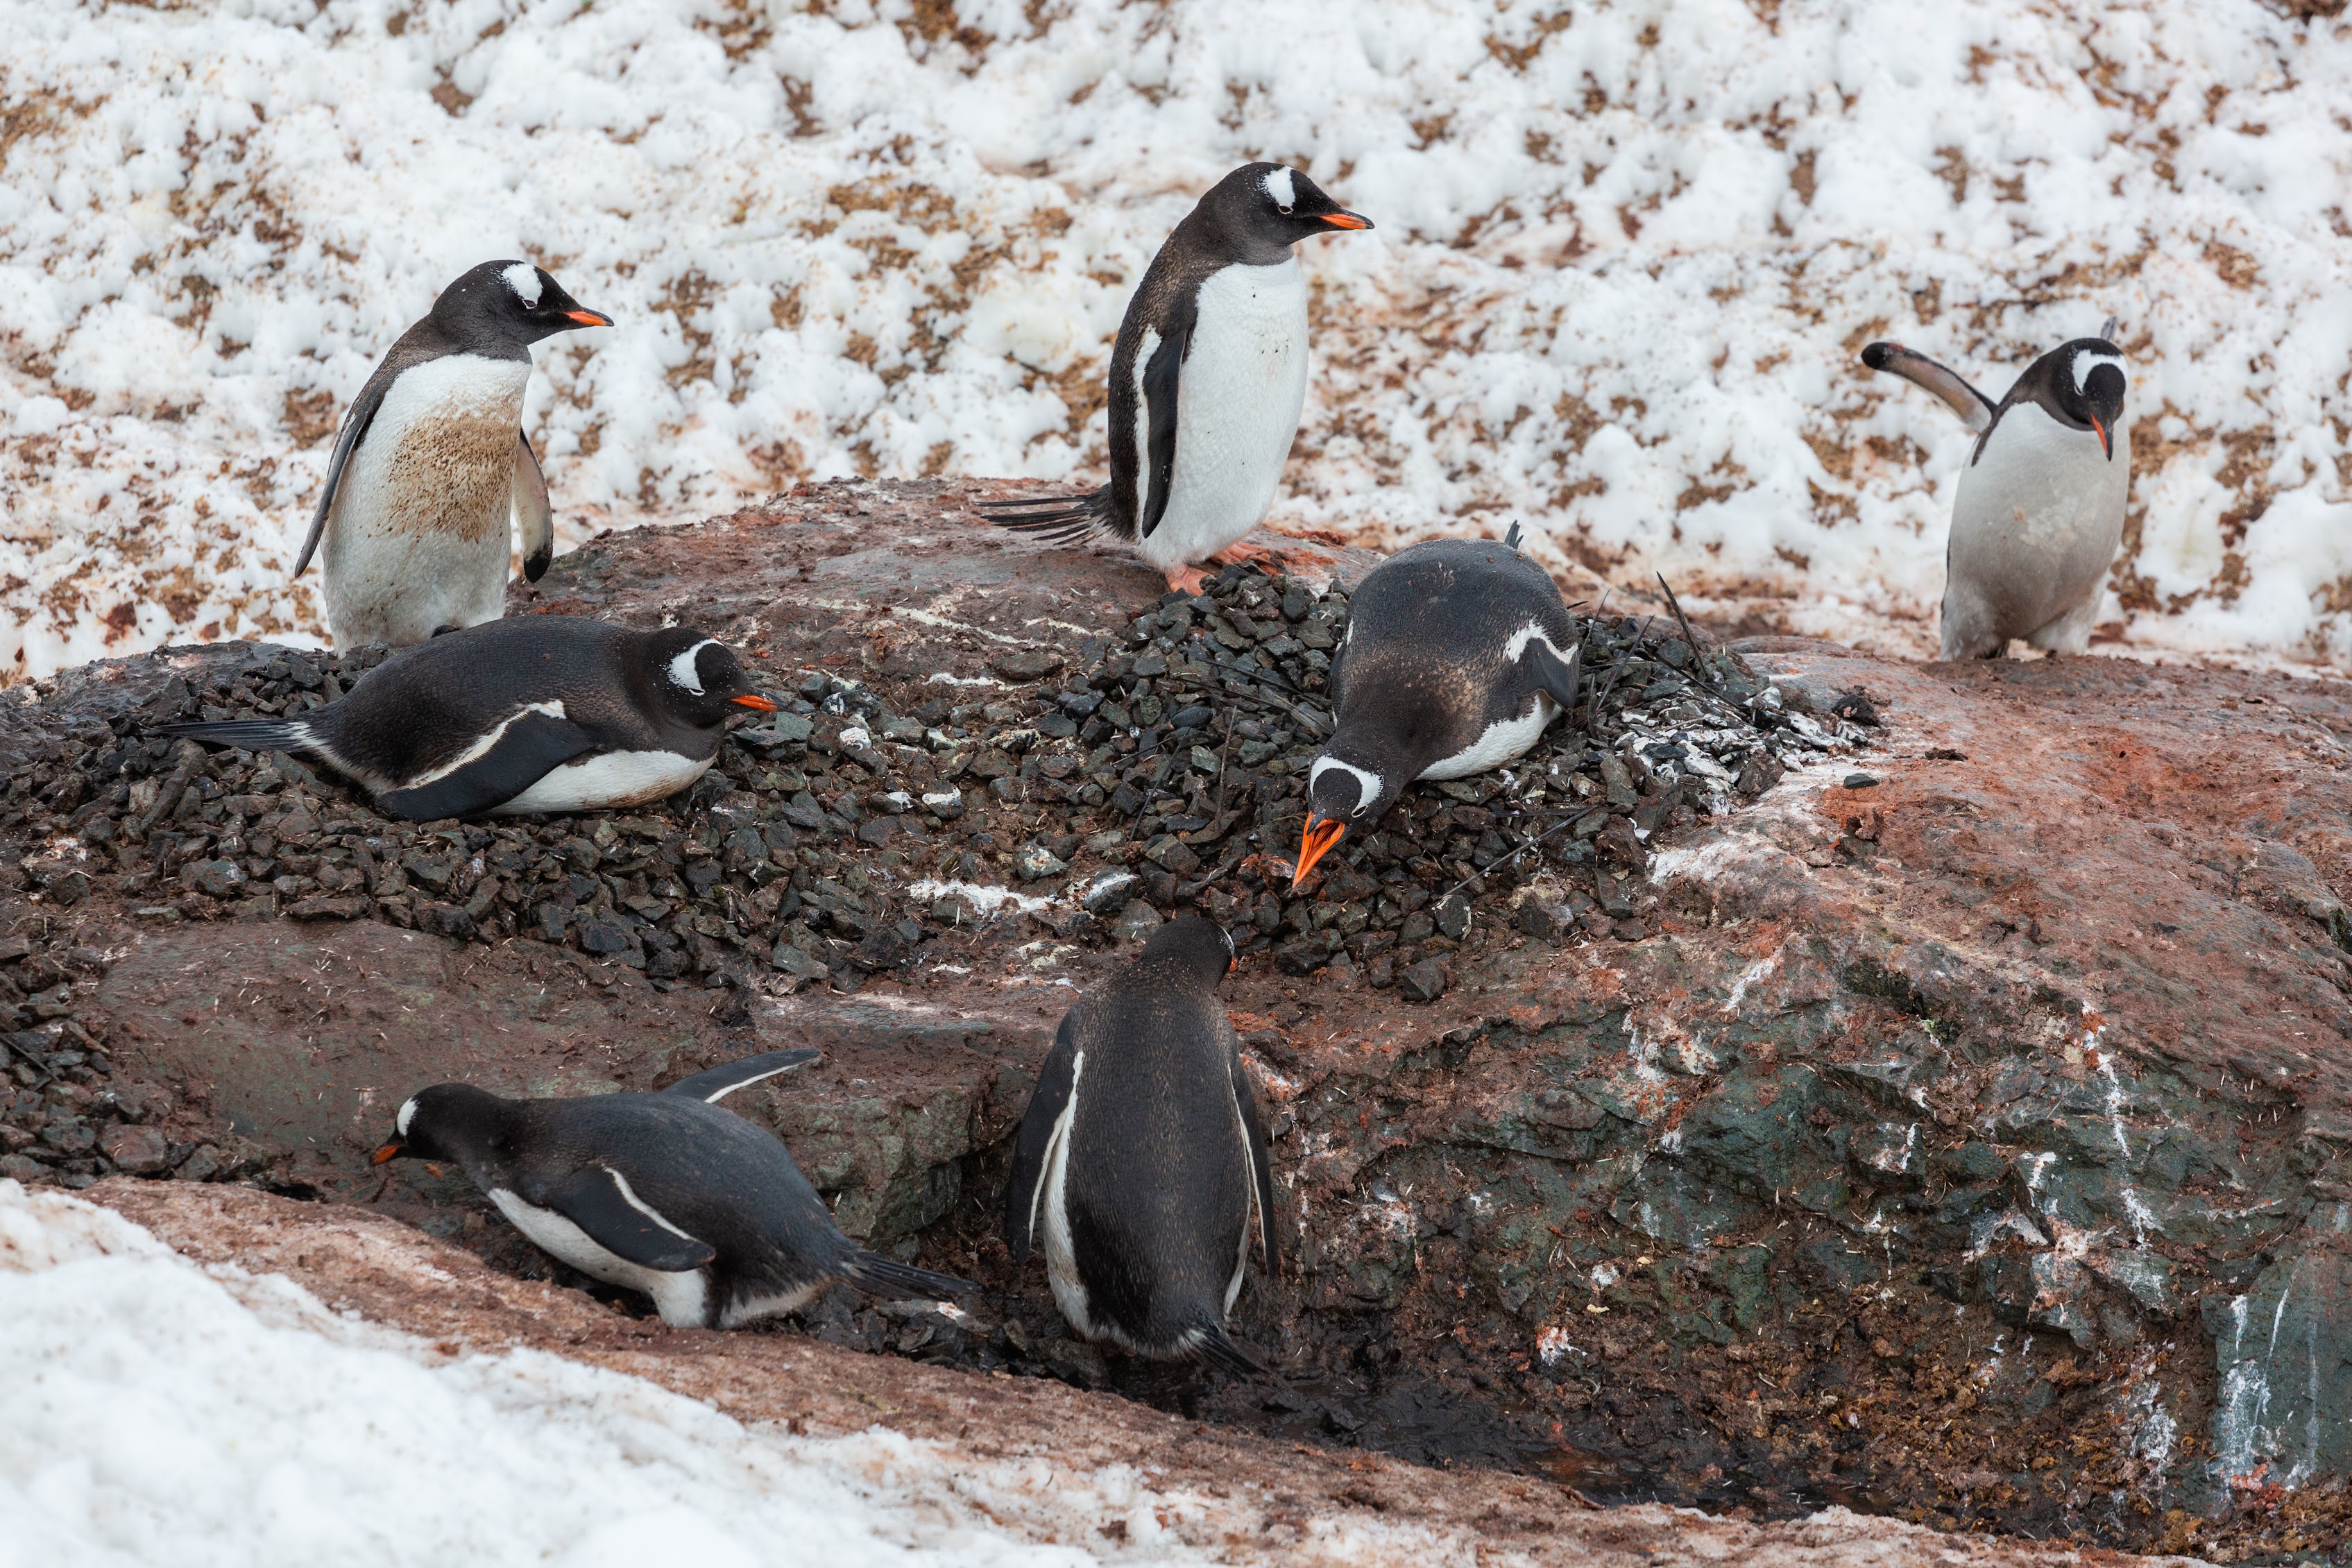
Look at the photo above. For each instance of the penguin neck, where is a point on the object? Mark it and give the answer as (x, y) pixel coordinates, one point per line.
(477, 1129)
(1380, 771)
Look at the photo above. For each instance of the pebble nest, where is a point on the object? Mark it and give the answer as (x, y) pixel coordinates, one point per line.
(1079, 800)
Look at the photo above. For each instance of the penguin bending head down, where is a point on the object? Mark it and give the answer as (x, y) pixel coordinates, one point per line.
(1207, 380)
(2040, 504)
(542, 713)
(667, 1194)
(1141, 1163)
(1458, 653)
(432, 461)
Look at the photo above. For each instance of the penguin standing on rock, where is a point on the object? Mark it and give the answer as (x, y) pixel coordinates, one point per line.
(432, 461)
(1141, 1164)
(666, 1194)
(1458, 653)
(2041, 505)
(542, 713)
(1207, 380)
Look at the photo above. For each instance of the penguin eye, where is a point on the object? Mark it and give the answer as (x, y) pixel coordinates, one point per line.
(1283, 210)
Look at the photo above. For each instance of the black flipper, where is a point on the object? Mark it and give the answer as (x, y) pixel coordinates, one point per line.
(1056, 1080)
(533, 516)
(1157, 477)
(1556, 676)
(597, 1199)
(1057, 519)
(256, 735)
(1213, 1345)
(1975, 409)
(1261, 1168)
(879, 1276)
(714, 1084)
(529, 745)
(361, 415)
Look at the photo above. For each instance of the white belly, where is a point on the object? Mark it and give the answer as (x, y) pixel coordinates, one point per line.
(1502, 739)
(1238, 406)
(2034, 530)
(1061, 1258)
(678, 1297)
(616, 778)
(418, 539)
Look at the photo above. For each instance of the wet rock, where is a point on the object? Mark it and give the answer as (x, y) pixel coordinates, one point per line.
(1424, 982)
(1032, 862)
(1135, 922)
(1026, 664)
(136, 1150)
(1109, 892)
(214, 878)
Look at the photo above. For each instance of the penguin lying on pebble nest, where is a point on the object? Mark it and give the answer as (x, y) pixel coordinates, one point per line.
(2040, 506)
(542, 713)
(666, 1194)
(1141, 1164)
(1458, 653)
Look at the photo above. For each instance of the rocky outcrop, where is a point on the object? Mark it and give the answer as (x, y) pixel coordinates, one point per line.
(1954, 1126)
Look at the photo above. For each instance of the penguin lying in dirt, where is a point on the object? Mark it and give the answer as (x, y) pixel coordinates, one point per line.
(542, 713)
(2041, 505)
(1207, 380)
(666, 1194)
(1142, 1163)
(1458, 653)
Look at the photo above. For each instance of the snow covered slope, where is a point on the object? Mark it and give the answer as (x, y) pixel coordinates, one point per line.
(151, 1413)
(1626, 253)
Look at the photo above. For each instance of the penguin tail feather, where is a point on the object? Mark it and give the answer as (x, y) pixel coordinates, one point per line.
(251, 734)
(1057, 519)
(1211, 1345)
(879, 1276)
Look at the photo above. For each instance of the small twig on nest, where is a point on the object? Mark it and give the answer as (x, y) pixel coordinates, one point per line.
(1530, 844)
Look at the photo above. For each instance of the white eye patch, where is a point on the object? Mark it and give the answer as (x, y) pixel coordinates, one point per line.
(1279, 187)
(1368, 785)
(407, 1114)
(682, 673)
(523, 279)
(2086, 364)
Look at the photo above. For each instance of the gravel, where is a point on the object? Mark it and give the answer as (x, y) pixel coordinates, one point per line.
(1160, 770)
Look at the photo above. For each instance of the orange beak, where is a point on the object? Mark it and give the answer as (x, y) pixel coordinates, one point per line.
(2106, 442)
(754, 702)
(1347, 220)
(589, 318)
(392, 1151)
(1313, 844)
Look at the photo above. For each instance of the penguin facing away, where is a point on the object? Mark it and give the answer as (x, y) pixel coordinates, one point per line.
(1207, 380)
(2040, 506)
(1141, 1161)
(431, 461)
(664, 1193)
(1458, 653)
(540, 713)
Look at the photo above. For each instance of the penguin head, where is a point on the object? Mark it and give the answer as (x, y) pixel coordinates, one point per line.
(447, 1122)
(1266, 208)
(510, 304)
(1195, 949)
(1341, 795)
(2089, 387)
(698, 680)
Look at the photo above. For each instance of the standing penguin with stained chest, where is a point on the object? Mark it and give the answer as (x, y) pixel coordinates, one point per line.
(2041, 505)
(1458, 653)
(432, 461)
(1207, 380)
(1141, 1164)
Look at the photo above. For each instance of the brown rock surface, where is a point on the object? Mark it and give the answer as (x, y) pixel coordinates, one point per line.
(1967, 1144)
(1265, 1503)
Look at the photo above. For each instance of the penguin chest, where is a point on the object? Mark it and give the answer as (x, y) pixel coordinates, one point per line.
(2038, 518)
(438, 460)
(681, 1298)
(1239, 395)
